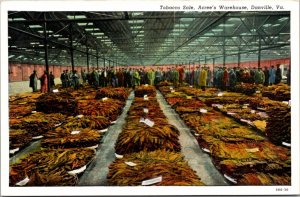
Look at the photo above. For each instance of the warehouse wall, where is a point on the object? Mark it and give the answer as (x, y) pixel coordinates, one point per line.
(23, 86)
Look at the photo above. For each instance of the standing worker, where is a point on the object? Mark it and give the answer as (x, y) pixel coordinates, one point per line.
(51, 80)
(44, 82)
(272, 75)
(33, 81)
(202, 78)
(259, 76)
(135, 78)
(266, 73)
(278, 74)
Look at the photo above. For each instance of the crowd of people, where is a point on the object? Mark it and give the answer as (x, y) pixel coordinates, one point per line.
(199, 76)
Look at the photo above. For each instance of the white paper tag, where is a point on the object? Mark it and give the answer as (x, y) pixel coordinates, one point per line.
(203, 110)
(130, 163)
(220, 106)
(103, 130)
(289, 102)
(146, 99)
(75, 132)
(172, 91)
(79, 116)
(56, 125)
(252, 150)
(37, 137)
(104, 99)
(286, 144)
(77, 171)
(214, 105)
(231, 113)
(118, 156)
(246, 104)
(145, 96)
(171, 88)
(196, 134)
(33, 112)
(246, 121)
(55, 90)
(146, 110)
(191, 86)
(285, 102)
(205, 150)
(252, 111)
(14, 150)
(259, 108)
(149, 122)
(142, 120)
(257, 91)
(23, 182)
(263, 114)
(93, 147)
(113, 122)
(220, 94)
(245, 107)
(230, 179)
(146, 85)
(152, 181)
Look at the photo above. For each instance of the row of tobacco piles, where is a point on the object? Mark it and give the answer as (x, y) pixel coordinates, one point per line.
(248, 137)
(70, 125)
(147, 149)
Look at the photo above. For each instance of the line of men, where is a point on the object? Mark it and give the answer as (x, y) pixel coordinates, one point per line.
(200, 76)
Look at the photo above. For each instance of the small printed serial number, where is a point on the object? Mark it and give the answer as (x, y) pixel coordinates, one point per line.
(282, 189)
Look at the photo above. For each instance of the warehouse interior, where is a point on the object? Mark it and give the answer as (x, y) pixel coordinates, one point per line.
(162, 126)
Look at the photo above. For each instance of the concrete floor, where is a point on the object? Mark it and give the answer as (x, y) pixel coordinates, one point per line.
(196, 158)
(96, 172)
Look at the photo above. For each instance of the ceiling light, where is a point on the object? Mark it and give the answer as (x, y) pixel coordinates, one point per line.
(18, 19)
(57, 35)
(49, 31)
(76, 16)
(136, 27)
(35, 26)
(283, 19)
(10, 56)
(267, 25)
(84, 24)
(63, 38)
(209, 34)
(135, 21)
(92, 29)
(98, 33)
(275, 25)
(186, 19)
(217, 30)
(226, 25)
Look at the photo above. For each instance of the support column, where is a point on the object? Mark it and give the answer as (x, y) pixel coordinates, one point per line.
(46, 51)
(239, 58)
(71, 46)
(259, 52)
(224, 57)
(87, 53)
(97, 58)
